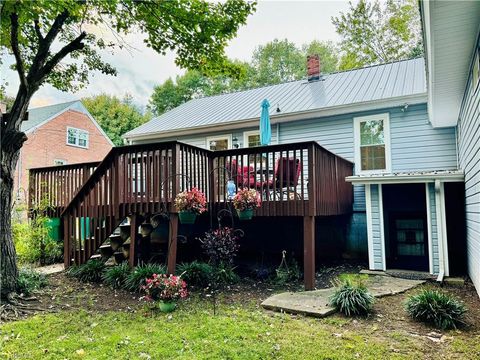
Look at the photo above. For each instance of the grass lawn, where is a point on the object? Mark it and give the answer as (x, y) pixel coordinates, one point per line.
(94, 322)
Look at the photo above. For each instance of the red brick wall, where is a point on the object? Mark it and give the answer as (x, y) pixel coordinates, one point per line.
(49, 142)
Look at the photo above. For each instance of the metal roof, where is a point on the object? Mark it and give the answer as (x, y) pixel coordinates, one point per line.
(379, 82)
(39, 115)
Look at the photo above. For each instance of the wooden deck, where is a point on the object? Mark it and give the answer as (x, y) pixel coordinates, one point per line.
(299, 179)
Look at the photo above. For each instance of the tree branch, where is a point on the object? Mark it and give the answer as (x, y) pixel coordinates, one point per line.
(74, 45)
(16, 49)
(38, 31)
(56, 27)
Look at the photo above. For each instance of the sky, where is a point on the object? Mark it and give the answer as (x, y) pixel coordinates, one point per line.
(140, 69)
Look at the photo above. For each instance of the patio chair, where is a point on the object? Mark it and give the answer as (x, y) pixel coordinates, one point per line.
(243, 176)
(285, 179)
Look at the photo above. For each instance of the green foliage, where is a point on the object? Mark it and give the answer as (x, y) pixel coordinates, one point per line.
(32, 240)
(115, 116)
(91, 271)
(196, 273)
(137, 277)
(30, 280)
(275, 62)
(287, 271)
(373, 33)
(351, 296)
(117, 275)
(224, 274)
(437, 308)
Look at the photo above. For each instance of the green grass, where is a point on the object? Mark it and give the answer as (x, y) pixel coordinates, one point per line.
(192, 332)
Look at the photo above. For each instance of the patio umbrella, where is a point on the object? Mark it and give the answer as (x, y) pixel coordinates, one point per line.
(265, 128)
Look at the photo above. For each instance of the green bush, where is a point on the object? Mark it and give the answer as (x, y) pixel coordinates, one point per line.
(91, 271)
(117, 275)
(287, 272)
(351, 296)
(224, 274)
(137, 277)
(30, 280)
(196, 273)
(437, 308)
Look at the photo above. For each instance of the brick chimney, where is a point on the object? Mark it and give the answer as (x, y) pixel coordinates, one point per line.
(313, 67)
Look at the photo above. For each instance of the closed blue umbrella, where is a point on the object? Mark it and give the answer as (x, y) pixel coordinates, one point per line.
(265, 128)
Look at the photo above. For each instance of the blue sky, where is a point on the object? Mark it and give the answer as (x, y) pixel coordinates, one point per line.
(140, 69)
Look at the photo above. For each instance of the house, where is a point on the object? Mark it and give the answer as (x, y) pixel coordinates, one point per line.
(59, 134)
(376, 117)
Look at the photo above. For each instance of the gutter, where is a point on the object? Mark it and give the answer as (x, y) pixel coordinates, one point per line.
(419, 98)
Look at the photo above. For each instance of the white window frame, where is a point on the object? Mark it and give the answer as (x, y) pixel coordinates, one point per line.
(246, 134)
(385, 117)
(77, 137)
(60, 162)
(220, 137)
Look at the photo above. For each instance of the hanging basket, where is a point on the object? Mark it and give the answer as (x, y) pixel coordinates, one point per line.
(187, 217)
(245, 214)
(166, 306)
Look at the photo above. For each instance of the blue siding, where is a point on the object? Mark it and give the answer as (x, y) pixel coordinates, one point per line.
(433, 228)
(376, 228)
(469, 156)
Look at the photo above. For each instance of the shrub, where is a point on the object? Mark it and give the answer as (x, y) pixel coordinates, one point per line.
(30, 280)
(91, 271)
(351, 296)
(166, 288)
(136, 278)
(221, 245)
(287, 271)
(437, 308)
(196, 273)
(224, 274)
(117, 275)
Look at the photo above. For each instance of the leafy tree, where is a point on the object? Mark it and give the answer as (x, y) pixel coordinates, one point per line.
(114, 115)
(6, 99)
(373, 33)
(54, 42)
(328, 53)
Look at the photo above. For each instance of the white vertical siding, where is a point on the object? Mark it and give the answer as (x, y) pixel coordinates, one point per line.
(469, 156)
(376, 226)
(433, 230)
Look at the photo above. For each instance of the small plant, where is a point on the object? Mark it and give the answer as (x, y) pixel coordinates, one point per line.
(437, 308)
(30, 280)
(196, 273)
(116, 276)
(221, 245)
(246, 199)
(224, 274)
(165, 288)
(91, 271)
(287, 271)
(191, 200)
(136, 278)
(351, 296)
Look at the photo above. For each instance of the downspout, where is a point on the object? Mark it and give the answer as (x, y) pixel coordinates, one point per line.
(278, 133)
(441, 272)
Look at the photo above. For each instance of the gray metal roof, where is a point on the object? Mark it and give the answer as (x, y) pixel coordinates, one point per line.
(380, 82)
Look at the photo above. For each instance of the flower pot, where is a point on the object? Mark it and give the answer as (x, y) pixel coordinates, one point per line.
(166, 306)
(187, 217)
(245, 214)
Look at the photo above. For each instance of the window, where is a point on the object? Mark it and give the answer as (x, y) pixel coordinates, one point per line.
(223, 142)
(372, 143)
(59, 162)
(251, 138)
(77, 137)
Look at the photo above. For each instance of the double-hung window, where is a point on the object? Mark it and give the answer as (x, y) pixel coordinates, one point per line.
(77, 137)
(372, 143)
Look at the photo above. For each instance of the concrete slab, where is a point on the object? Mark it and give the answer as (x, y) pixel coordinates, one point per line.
(316, 303)
(50, 269)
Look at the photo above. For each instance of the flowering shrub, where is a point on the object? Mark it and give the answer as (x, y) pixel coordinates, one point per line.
(246, 199)
(163, 287)
(220, 245)
(191, 200)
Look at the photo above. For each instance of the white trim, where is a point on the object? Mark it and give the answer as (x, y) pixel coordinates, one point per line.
(368, 205)
(382, 230)
(397, 101)
(450, 176)
(219, 137)
(444, 229)
(385, 117)
(438, 209)
(429, 229)
(77, 142)
(246, 134)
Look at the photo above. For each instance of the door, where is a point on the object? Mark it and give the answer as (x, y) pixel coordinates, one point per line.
(408, 241)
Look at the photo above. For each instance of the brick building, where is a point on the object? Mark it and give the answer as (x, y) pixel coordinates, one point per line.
(57, 135)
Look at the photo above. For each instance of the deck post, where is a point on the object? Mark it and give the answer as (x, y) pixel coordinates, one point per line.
(67, 256)
(309, 252)
(172, 244)
(133, 240)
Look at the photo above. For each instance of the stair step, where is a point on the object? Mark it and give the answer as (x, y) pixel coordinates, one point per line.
(119, 257)
(96, 257)
(106, 250)
(116, 241)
